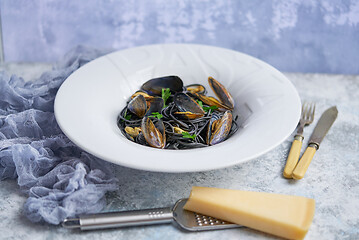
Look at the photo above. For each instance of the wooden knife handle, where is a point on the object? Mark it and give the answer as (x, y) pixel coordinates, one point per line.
(304, 162)
(293, 157)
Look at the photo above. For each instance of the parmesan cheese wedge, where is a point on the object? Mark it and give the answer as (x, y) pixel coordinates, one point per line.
(281, 215)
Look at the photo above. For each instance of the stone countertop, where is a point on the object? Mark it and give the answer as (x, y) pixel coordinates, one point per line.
(332, 178)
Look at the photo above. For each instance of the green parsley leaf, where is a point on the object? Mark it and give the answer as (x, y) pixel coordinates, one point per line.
(127, 116)
(206, 109)
(187, 135)
(166, 93)
(210, 108)
(157, 115)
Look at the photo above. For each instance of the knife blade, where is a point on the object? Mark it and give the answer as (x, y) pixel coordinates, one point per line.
(321, 129)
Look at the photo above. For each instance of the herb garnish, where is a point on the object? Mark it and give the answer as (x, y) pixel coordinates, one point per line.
(157, 115)
(187, 135)
(166, 93)
(206, 109)
(127, 116)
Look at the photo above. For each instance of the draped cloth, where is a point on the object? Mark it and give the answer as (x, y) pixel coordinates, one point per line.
(59, 179)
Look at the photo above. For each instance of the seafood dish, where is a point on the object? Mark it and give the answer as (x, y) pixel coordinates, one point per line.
(166, 114)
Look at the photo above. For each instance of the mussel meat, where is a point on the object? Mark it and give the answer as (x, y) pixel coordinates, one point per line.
(133, 132)
(155, 85)
(196, 88)
(147, 97)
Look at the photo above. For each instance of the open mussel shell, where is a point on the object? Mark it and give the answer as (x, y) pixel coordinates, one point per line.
(147, 97)
(196, 88)
(138, 106)
(154, 86)
(211, 126)
(221, 129)
(155, 105)
(187, 115)
(211, 101)
(154, 134)
(221, 92)
(187, 106)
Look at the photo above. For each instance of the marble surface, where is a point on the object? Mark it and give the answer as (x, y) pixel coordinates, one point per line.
(332, 178)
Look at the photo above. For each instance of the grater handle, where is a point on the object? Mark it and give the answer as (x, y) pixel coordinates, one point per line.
(120, 219)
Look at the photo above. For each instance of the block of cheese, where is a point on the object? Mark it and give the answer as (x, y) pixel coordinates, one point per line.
(281, 215)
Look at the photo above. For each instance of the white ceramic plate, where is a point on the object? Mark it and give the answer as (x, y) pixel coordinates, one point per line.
(89, 101)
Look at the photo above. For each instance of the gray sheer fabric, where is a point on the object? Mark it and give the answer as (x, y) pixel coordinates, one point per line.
(59, 178)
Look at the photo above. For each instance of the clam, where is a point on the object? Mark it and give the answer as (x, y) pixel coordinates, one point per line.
(188, 108)
(218, 129)
(221, 92)
(153, 133)
(138, 106)
(155, 85)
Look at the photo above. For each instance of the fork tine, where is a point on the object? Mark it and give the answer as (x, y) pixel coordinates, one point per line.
(312, 112)
(304, 108)
(309, 114)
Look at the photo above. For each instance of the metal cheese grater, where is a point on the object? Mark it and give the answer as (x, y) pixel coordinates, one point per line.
(185, 219)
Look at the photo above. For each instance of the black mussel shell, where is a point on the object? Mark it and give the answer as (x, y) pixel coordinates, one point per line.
(153, 133)
(155, 85)
(221, 129)
(155, 105)
(185, 103)
(138, 106)
(221, 92)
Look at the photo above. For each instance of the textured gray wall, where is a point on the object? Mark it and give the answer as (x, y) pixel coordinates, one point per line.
(292, 35)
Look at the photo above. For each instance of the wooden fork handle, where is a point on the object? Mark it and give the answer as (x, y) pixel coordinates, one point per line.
(304, 162)
(293, 156)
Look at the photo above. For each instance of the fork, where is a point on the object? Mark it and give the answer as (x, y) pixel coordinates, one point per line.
(306, 118)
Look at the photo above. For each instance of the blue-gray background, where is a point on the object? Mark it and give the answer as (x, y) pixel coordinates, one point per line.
(292, 35)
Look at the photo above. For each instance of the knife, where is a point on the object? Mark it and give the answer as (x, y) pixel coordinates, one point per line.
(325, 122)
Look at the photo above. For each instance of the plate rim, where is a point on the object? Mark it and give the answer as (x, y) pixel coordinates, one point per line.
(170, 170)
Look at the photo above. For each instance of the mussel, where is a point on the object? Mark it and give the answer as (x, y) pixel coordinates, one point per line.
(155, 85)
(154, 133)
(219, 128)
(188, 108)
(225, 101)
(211, 101)
(196, 88)
(132, 131)
(138, 106)
(221, 92)
(166, 114)
(147, 97)
(155, 105)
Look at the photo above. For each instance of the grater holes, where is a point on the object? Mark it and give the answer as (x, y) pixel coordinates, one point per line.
(203, 220)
